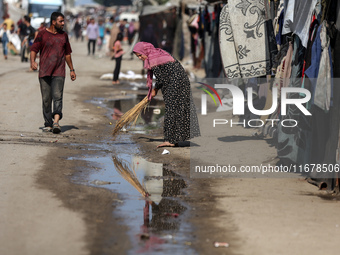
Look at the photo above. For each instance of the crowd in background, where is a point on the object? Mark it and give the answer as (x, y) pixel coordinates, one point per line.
(100, 32)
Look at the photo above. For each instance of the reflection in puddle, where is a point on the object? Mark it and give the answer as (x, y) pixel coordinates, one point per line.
(117, 106)
(160, 189)
(129, 175)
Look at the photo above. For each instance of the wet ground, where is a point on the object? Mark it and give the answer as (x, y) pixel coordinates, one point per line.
(150, 196)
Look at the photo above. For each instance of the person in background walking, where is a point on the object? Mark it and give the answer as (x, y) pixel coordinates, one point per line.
(117, 53)
(108, 26)
(42, 27)
(28, 41)
(22, 32)
(101, 28)
(131, 31)
(8, 21)
(77, 29)
(54, 48)
(92, 36)
(107, 37)
(4, 38)
(22, 29)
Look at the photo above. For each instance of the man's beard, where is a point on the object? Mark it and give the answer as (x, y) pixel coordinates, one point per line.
(59, 29)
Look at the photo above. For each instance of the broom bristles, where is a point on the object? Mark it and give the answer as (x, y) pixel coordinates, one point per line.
(130, 116)
(130, 176)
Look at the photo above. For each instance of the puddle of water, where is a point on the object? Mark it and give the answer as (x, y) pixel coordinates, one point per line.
(155, 224)
(117, 106)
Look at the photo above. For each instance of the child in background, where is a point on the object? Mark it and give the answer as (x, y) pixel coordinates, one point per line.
(117, 53)
(101, 34)
(4, 38)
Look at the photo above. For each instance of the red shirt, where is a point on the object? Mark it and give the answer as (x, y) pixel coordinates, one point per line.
(53, 48)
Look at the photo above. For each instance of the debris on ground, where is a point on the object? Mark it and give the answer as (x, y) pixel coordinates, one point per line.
(165, 152)
(97, 182)
(219, 244)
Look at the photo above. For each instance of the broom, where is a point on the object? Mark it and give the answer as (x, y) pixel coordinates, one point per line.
(130, 176)
(130, 116)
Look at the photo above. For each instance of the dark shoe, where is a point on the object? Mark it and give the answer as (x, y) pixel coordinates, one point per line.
(56, 128)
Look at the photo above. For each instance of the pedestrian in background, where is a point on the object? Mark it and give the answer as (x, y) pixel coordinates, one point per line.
(22, 32)
(4, 39)
(113, 36)
(108, 26)
(22, 29)
(118, 54)
(77, 29)
(101, 28)
(54, 48)
(8, 21)
(131, 31)
(40, 28)
(92, 32)
(28, 40)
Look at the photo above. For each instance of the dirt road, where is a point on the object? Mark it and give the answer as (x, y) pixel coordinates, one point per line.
(43, 212)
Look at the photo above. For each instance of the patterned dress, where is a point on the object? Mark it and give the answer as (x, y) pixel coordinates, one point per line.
(180, 120)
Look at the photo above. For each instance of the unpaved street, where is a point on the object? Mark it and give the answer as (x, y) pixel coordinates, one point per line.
(44, 212)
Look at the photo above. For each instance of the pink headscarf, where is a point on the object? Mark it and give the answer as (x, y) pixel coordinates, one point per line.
(155, 56)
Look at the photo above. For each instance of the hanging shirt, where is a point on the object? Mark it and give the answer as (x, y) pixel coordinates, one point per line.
(320, 71)
(297, 19)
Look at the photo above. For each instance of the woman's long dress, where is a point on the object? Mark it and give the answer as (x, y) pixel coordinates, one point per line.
(180, 120)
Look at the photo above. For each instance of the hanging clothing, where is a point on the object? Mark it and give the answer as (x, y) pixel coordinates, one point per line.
(243, 39)
(284, 71)
(294, 142)
(321, 61)
(298, 18)
(216, 66)
(324, 83)
(178, 49)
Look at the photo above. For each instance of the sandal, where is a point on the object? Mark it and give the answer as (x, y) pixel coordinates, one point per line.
(47, 129)
(56, 128)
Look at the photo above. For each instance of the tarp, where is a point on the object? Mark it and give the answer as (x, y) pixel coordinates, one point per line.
(151, 9)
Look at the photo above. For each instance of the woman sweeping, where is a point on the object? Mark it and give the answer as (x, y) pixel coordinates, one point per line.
(180, 120)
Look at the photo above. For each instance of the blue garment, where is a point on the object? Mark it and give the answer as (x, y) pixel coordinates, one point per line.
(279, 34)
(101, 31)
(4, 40)
(313, 71)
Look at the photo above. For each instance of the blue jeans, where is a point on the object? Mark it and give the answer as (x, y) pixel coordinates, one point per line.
(52, 88)
(4, 47)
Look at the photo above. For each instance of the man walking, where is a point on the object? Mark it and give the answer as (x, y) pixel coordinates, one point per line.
(55, 49)
(28, 40)
(92, 32)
